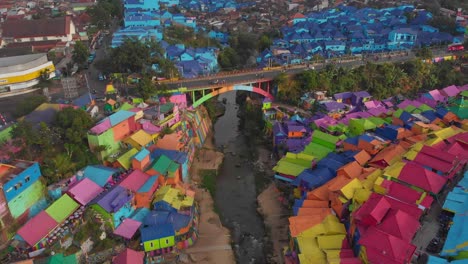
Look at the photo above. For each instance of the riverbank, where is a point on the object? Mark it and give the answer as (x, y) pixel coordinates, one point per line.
(272, 208)
(214, 244)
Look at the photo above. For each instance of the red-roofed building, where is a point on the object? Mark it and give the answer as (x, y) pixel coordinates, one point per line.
(415, 175)
(129, 256)
(438, 161)
(384, 248)
(400, 224)
(61, 29)
(407, 195)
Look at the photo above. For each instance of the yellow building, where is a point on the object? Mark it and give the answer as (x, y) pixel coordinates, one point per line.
(22, 72)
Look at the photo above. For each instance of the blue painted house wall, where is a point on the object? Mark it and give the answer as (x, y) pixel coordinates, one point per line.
(21, 181)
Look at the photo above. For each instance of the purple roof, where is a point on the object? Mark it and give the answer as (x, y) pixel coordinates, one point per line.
(114, 199)
(101, 127)
(333, 106)
(346, 119)
(278, 128)
(325, 121)
(292, 128)
(85, 191)
(344, 95)
(408, 102)
(377, 111)
(451, 91)
(428, 101)
(463, 88)
(296, 145)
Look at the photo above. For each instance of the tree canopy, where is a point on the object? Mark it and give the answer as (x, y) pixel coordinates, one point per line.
(80, 53)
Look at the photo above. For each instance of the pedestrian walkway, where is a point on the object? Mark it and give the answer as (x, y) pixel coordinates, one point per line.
(208, 249)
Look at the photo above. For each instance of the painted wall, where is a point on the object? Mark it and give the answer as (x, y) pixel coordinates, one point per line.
(121, 130)
(160, 243)
(21, 203)
(21, 182)
(124, 212)
(141, 165)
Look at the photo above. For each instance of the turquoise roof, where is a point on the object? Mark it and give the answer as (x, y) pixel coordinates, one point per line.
(147, 185)
(120, 116)
(141, 154)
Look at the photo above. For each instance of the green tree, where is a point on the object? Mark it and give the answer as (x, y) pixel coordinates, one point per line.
(27, 105)
(228, 59)
(73, 125)
(146, 88)
(80, 53)
(58, 168)
(264, 42)
(424, 53)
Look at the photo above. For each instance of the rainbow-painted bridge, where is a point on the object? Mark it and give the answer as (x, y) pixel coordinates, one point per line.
(214, 90)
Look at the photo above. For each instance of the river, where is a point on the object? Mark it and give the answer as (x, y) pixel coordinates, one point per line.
(236, 195)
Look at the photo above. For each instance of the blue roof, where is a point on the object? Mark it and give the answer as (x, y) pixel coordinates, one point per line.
(352, 140)
(316, 178)
(84, 100)
(177, 156)
(149, 233)
(115, 199)
(98, 174)
(329, 163)
(141, 154)
(148, 184)
(429, 115)
(158, 218)
(366, 138)
(436, 260)
(140, 214)
(120, 116)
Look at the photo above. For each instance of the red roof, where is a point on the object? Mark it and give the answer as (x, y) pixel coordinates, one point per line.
(37, 28)
(381, 201)
(384, 248)
(406, 194)
(433, 162)
(129, 256)
(372, 211)
(298, 15)
(400, 224)
(37, 228)
(414, 174)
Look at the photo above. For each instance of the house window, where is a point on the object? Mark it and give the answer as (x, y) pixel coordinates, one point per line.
(167, 241)
(18, 185)
(151, 244)
(27, 179)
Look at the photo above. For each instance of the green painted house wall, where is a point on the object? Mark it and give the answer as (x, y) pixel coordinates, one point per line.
(104, 139)
(160, 243)
(5, 134)
(26, 199)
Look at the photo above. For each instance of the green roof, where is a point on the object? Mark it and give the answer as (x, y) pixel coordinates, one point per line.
(166, 108)
(317, 150)
(165, 165)
(61, 259)
(126, 106)
(285, 167)
(62, 208)
(398, 112)
(425, 107)
(410, 108)
(325, 137)
(461, 108)
(126, 159)
(377, 120)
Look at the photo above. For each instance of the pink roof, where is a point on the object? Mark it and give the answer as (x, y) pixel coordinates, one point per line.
(37, 228)
(129, 256)
(400, 224)
(85, 191)
(135, 180)
(384, 248)
(437, 95)
(463, 88)
(375, 199)
(101, 127)
(451, 90)
(372, 104)
(127, 228)
(414, 174)
(406, 194)
(428, 101)
(373, 211)
(458, 150)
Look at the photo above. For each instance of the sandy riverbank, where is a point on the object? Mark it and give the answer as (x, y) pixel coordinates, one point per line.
(214, 243)
(274, 213)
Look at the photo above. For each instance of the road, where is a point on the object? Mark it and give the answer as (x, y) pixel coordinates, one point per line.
(253, 74)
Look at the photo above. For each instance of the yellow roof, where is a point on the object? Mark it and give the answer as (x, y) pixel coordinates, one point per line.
(126, 159)
(333, 226)
(349, 189)
(110, 88)
(169, 195)
(312, 259)
(411, 154)
(187, 202)
(331, 242)
(362, 195)
(446, 132)
(394, 170)
(141, 138)
(368, 182)
(332, 253)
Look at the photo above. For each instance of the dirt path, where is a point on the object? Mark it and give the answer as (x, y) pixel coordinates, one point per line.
(214, 242)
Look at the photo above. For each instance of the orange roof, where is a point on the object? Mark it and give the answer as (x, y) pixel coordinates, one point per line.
(362, 157)
(312, 211)
(339, 183)
(320, 193)
(314, 204)
(299, 224)
(389, 153)
(298, 15)
(350, 170)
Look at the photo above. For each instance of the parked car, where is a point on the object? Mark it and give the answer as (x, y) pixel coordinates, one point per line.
(101, 77)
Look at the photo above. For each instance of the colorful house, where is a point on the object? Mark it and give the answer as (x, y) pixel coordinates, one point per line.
(115, 205)
(167, 170)
(129, 256)
(84, 191)
(109, 132)
(101, 175)
(141, 159)
(142, 186)
(21, 189)
(177, 156)
(159, 239)
(125, 161)
(139, 139)
(171, 199)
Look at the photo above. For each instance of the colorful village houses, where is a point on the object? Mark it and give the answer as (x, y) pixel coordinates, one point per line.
(21, 190)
